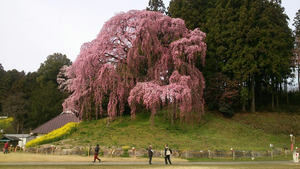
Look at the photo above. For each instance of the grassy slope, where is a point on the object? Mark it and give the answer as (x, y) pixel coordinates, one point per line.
(243, 132)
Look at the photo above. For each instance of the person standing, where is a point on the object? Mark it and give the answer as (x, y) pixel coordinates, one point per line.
(150, 153)
(6, 146)
(168, 152)
(97, 148)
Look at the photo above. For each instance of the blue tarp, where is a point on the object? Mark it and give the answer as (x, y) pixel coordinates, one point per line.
(5, 140)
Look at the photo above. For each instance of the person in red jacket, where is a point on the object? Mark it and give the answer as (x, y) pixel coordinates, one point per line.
(97, 148)
(6, 146)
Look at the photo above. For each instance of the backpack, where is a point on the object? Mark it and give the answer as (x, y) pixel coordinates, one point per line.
(168, 152)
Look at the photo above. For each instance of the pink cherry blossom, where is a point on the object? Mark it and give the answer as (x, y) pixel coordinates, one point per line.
(139, 57)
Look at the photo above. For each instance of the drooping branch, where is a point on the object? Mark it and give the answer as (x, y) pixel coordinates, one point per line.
(139, 57)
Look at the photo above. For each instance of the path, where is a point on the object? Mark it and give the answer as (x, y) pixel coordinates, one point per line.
(155, 163)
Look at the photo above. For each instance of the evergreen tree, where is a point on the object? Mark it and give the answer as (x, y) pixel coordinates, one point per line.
(14, 100)
(49, 70)
(16, 106)
(249, 41)
(156, 5)
(46, 99)
(195, 13)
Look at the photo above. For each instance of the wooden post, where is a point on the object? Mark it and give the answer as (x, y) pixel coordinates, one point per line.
(271, 146)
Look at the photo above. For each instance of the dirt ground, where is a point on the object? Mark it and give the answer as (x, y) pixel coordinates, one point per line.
(23, 157)
(40, 161)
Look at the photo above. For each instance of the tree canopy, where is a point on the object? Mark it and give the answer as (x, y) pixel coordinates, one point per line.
(156, 5)
(138, 58)
(249, 41)
(32, 98)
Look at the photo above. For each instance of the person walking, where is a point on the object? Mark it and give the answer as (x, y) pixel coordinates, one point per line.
(150, 153)
(97, 148)
(168, 152)
(6, 146)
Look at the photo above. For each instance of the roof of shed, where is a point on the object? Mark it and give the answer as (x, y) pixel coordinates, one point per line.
(9, 138)
(57, 122)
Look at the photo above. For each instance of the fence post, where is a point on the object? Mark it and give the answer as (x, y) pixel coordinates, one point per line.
(271, 147)
(233, 155)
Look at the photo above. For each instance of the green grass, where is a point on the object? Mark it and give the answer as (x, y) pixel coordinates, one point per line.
(230, 159)
(212, 132)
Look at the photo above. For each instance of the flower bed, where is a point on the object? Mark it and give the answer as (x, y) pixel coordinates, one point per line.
(54, 135)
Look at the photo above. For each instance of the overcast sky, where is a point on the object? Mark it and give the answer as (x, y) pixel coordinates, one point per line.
(30, 30)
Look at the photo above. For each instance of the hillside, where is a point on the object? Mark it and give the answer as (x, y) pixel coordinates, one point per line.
(242, 132)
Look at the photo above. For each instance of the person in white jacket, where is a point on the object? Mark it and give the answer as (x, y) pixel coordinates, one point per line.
(168, 152)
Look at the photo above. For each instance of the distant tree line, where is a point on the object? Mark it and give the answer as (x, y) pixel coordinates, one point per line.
(32, 98)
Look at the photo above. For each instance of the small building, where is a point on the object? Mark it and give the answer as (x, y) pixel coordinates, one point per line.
(23, 138)
(55, 123)
(13, 141)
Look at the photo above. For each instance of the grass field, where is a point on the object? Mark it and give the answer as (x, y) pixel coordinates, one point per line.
(212, 132)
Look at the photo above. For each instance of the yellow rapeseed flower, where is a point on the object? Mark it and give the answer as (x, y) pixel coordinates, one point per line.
(54, 135)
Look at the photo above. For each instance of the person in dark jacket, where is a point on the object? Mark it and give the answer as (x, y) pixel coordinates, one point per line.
(150, 153)
(168, 152)
(97, 148)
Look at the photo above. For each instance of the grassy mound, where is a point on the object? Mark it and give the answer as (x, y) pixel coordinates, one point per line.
(242, 132)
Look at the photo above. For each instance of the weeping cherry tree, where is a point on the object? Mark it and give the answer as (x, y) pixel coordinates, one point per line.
(138, 58)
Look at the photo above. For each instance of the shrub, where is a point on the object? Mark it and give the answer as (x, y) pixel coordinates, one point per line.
(6, 122)
(54, 135)
(125, 151)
